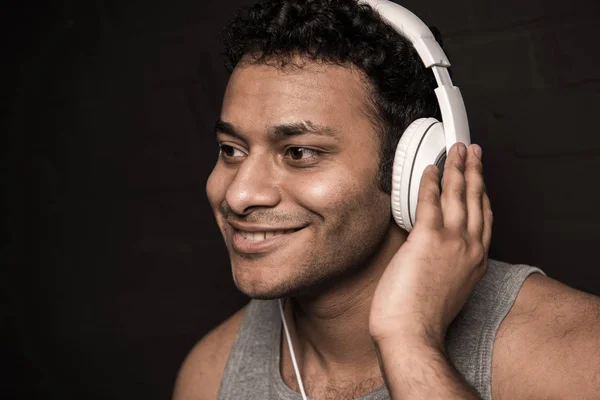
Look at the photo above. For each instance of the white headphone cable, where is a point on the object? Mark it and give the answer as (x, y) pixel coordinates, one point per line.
(291, 347)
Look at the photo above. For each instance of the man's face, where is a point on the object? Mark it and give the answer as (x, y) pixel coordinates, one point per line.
(295, 189)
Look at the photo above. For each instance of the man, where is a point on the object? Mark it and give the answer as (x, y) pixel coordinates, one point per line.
(319, 95)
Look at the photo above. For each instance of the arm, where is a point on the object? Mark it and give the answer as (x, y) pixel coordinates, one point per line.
(429, 280)
(200, 375)
(552, 334)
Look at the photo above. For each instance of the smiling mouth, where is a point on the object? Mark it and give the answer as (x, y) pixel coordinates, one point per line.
(264, 235)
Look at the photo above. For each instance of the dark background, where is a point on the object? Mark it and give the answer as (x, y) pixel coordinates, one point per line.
(112, 265)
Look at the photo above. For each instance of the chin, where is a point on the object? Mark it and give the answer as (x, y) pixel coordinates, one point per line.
(256, 281)
(260, 290)
(265, 282)
(268, 286)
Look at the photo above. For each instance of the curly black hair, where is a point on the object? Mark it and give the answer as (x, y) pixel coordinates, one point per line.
(341, 32)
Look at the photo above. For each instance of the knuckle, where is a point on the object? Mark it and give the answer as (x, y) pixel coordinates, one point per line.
(474, 179)
(431, 197)
(435, 240)
(457, 191)
(475, 167)
(457, 167)
(475, 186)
(458, 245)
(453, 181)
(478, 253)
(432, 238)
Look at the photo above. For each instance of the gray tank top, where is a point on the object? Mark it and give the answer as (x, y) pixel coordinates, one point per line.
(252, 370)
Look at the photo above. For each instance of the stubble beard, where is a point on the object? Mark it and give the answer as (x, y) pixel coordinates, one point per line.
(322, 269)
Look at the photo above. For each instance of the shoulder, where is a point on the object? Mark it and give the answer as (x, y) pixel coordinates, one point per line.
(552, 333)
(200, 375)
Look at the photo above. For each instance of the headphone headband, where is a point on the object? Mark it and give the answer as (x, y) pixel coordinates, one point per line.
(411, 27)
(452, 107)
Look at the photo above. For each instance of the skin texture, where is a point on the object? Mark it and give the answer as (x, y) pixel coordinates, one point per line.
(332, 194)
(553, 334)
(359, 314)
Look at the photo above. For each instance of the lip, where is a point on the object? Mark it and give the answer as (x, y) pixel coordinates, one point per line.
(244, 246)
(240, 226)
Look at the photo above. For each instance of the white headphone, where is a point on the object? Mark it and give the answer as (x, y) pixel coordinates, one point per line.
(426, 140)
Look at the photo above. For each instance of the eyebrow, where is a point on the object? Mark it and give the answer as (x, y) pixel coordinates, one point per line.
(276, 132)
(225, 127)
(300, 128)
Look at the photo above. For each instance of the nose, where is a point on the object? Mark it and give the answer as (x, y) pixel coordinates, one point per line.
(254, 186)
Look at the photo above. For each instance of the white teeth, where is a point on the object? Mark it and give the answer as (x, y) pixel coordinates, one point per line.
(260, 236)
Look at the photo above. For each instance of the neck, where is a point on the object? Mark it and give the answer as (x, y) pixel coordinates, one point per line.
(330, 330)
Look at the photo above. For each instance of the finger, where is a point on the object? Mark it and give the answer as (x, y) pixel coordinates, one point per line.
(488, 220)
(429, 212)
(474, 192)
(454, 209)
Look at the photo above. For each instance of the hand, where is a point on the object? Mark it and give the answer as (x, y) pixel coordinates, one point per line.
(434, 272)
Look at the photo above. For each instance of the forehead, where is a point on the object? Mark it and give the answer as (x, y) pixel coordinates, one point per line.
(259, 96)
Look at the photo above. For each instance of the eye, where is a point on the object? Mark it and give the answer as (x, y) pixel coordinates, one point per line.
(229, 152)
(302, 153)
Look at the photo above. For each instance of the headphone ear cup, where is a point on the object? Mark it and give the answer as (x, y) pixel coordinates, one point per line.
(421, 144)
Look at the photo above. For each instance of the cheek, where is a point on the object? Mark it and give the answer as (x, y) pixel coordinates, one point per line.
(341, 197)
(216, 186)
(320, 195)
